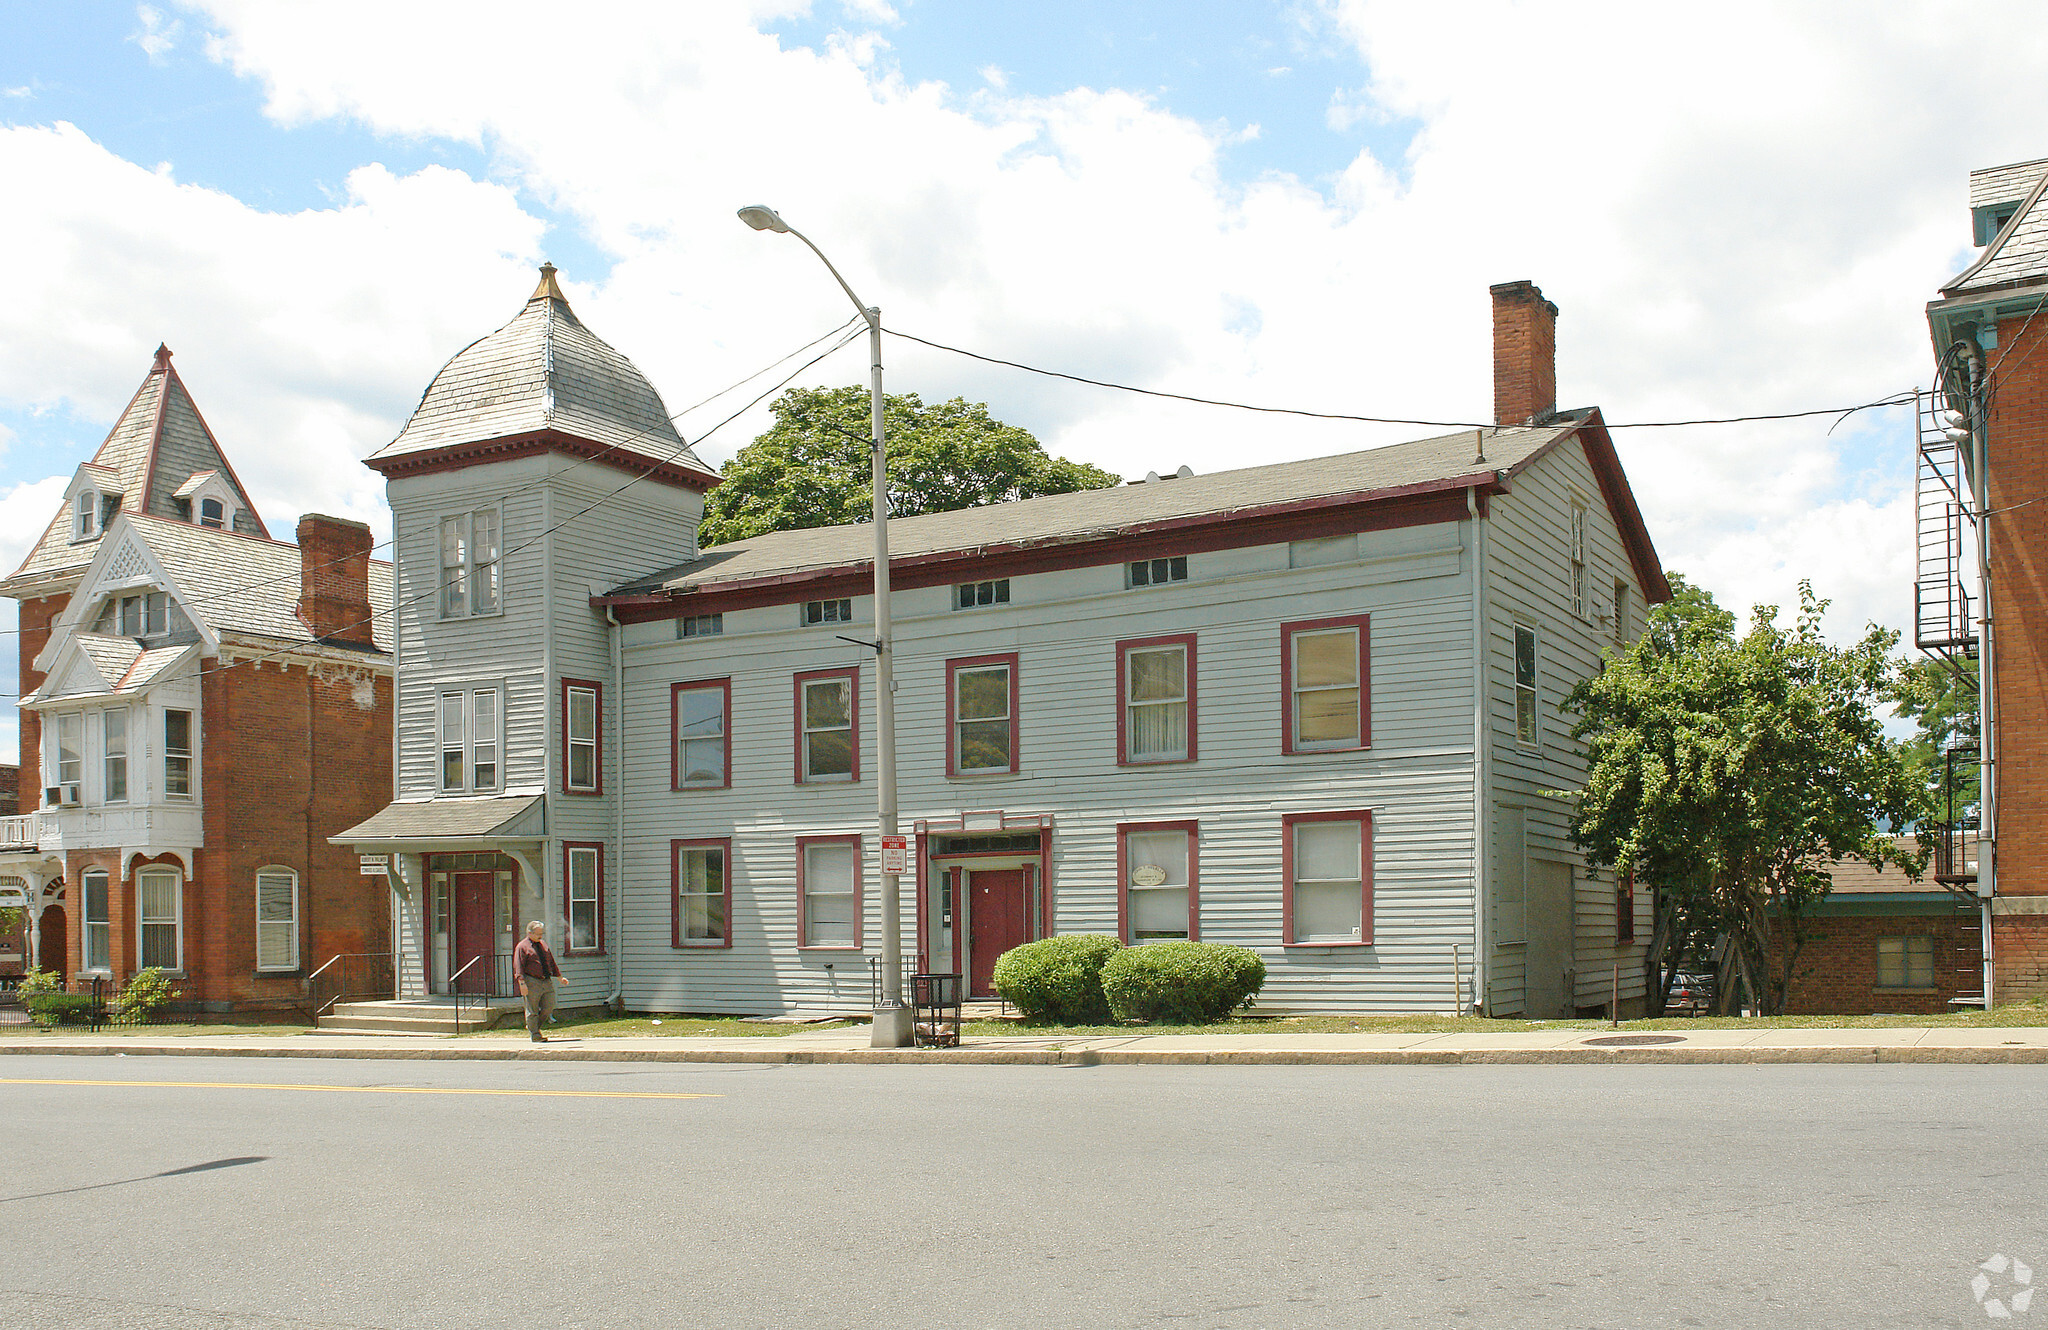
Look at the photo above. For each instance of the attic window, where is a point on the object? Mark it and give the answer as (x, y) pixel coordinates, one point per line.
(211, 513)
(135, 616)
(85, 515)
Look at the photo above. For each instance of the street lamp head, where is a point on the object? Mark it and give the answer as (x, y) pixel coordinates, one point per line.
(763, 219)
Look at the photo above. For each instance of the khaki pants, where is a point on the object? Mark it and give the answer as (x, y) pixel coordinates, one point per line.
(540, 1003)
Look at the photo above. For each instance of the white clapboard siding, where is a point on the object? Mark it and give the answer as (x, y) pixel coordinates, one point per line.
(1417, 778)
(1528, 582)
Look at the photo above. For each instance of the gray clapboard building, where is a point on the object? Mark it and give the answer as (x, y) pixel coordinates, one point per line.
(1309, 708)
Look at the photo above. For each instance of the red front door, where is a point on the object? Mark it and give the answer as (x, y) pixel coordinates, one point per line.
(475, 918)
(998, 920)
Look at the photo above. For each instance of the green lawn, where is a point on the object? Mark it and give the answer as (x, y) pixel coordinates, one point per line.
(154, 1031)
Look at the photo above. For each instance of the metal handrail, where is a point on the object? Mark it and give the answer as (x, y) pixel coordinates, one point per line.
(324, 968)
(455, 991)
(359, 974)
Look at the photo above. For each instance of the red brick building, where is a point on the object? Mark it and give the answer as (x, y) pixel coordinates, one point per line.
(202, 707)
(1881, 943)
(1989, 327)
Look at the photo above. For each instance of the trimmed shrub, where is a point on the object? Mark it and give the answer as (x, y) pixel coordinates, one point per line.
(146, 991)
(1181, 983)
(59, 1008)
(1058, 979)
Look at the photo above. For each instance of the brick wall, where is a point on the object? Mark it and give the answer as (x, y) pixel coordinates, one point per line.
(2019, 953)
(2019, 553)
(1837, 969)
(291, 756)
(36, 615)
(1524, 353)
(10, 791)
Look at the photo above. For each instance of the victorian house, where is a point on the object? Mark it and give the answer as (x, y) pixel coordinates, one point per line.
(1307, 707)
(202, 706)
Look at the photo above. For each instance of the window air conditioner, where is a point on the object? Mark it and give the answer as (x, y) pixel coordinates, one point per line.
(68, 796)
(52, 795)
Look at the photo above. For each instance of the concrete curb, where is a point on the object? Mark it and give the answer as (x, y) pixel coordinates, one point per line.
(1082, 1057)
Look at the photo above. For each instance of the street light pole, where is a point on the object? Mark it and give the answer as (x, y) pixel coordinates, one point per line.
(891, 1017)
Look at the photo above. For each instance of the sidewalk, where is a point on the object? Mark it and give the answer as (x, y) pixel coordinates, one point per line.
(1901, 1044)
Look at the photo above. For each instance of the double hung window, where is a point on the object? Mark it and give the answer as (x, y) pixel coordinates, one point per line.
(114, 756)
(99, 931)
(1325, 680)
(1620, 613)
(70, 749)
(470, 739)
(981, 703)
(212, 513)
(160, 893)
(827, 725)
(85, 515)
(1326, 874)
(1525, 686)
(697, 719)
(469, 564)
(1157, 876)
(828, 891)
(1905, 962)
(583, 872)
(1156, 699)
(1578, 558)
(277, 919)
(703, 899)
(582, 705)
(178, 754)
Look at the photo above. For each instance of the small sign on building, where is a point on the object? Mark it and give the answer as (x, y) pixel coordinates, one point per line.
(895, 854)
(374, 865)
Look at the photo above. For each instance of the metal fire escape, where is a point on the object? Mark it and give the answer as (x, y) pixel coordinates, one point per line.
(1945, 627)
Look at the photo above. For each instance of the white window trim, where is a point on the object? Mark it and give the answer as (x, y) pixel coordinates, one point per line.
(467, 569)
(127, 756)
(1534, 687)
(177, 920)
(274, 871)
(468, 692)
(1575, 537)
(86, 924)
(85, 516)
(191, 753)
(595, 900)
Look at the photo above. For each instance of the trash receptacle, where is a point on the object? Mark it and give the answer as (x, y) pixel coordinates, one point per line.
(935, 1009)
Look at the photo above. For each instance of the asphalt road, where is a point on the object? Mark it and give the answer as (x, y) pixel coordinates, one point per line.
(289, 1193)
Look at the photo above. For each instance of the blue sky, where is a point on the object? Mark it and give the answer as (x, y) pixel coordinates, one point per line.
(1297, 204)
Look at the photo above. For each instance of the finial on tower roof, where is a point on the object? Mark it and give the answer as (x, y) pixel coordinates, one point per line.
(163, 356)
(547, 285)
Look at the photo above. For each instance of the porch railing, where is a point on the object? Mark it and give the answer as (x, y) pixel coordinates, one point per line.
(346, 977)
(480, 979)
(20, 830)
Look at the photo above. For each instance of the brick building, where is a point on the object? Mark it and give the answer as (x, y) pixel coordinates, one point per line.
(202, 707)
(1992, 419)
(1882, 943)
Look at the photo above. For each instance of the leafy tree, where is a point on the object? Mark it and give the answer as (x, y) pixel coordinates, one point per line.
(1731, 770)
(1942, 704)
(813, 466)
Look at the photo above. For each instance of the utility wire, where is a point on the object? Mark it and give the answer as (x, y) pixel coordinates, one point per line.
(1896, 399)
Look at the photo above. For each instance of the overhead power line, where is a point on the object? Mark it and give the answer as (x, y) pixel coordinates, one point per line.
(1896, 399)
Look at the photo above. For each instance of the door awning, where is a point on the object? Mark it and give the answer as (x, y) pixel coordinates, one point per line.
(450, 825)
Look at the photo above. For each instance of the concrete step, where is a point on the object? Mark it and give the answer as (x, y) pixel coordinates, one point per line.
(422, 1024)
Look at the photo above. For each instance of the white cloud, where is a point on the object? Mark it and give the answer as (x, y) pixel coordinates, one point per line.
(1736, 216)
(23, 91)
(158, 36)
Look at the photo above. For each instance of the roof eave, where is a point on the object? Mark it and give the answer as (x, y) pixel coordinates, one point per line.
(457, 455)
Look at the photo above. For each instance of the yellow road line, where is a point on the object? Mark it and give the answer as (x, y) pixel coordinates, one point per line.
(370, 1089)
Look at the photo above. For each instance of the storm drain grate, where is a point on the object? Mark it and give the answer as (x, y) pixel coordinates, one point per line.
(1634, 1040)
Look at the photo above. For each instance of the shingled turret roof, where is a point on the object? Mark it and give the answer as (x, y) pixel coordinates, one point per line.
(543, 381)
(159, 443)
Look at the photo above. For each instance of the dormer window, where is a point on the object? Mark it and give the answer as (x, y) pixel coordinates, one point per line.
(85, 515)
(143, 615)
(212, 513)
(207, 500)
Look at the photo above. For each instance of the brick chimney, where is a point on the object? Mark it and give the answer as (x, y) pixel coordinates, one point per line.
(1524, 354)
(334, 578)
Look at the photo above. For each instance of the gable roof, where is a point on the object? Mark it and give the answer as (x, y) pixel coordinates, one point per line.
(1227, 507)
(159, 442)
(542, 379)
(2018, 254)
(248, 585)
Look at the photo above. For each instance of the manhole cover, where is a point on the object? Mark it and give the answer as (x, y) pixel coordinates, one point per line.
(1634, 1040)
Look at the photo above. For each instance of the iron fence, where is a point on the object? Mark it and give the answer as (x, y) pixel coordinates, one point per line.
(480, 979)
(101, 1004)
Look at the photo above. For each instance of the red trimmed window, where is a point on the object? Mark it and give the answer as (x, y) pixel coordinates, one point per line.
(828, 892)
(827, 726)
(583, 894)
(1326, 879)
(582, 737)
(981, 715)
(701, 903)
(699, 718)
(1158, 893)
(1326, 684)
(1155, 700)
(1625, 908)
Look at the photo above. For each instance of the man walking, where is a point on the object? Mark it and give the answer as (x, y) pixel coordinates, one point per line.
(537, 972)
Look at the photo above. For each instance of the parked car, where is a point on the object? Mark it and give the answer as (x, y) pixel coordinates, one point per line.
(1692, 994)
